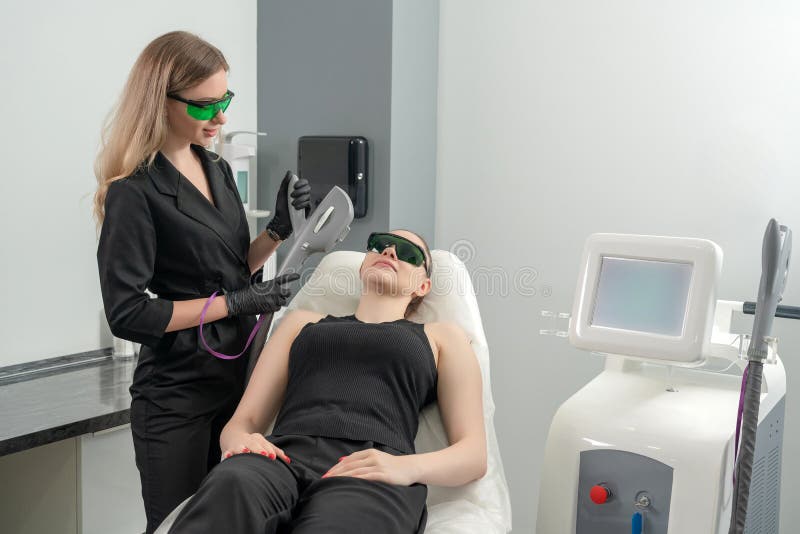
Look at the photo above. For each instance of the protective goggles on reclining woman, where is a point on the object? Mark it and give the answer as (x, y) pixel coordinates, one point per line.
(404, 249)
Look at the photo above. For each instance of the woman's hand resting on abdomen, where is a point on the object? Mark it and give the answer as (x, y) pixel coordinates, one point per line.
(372, 464)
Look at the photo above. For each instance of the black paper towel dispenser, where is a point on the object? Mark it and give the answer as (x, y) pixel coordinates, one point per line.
(326, 161)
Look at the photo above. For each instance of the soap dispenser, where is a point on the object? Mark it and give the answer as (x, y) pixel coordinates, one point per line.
(241, 158)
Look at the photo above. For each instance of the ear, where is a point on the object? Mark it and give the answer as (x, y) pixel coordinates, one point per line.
(424, 288)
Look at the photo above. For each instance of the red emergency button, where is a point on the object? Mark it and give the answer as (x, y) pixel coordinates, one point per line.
(599, 494)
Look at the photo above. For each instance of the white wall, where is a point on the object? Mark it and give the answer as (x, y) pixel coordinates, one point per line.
(62, 65)
(559, 119)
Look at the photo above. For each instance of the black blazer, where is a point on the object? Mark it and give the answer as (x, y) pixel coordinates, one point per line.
(162, 234)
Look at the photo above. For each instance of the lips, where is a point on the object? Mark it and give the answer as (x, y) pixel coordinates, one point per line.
(210, 133)
(381, 262)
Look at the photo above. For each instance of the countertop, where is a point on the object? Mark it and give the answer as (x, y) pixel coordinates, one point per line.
(64, 397)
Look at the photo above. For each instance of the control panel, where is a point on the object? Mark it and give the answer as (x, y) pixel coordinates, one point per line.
(620, 491)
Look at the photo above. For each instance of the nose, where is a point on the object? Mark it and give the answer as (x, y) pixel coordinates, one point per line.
(220, 118)
(391, 252)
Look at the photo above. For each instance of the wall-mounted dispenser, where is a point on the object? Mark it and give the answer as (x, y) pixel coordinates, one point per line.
(242, 158)
(328, 161)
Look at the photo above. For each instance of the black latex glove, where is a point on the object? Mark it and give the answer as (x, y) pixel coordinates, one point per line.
(281, 223)
(261, 297)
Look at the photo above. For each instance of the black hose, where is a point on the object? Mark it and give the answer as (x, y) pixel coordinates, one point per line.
(744, 466)
(259, 341)
(785, 312)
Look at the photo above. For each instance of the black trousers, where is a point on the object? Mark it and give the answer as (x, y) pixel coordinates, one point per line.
(249, 493)
(174, 452)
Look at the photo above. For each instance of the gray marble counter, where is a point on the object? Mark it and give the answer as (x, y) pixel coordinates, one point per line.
(59, 398)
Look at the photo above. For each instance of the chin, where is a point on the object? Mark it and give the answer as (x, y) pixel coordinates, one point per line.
(379, 278)
(381, 270)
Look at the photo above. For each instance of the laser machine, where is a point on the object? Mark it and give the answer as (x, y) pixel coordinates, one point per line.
(648, 446)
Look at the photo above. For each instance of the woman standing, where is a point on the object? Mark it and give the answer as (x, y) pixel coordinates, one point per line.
(172, 222)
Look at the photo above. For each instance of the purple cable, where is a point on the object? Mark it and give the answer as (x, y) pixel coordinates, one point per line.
(203, 339)
(739, 420)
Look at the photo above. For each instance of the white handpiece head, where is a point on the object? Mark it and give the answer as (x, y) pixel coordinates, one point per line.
(321, 231)
(324, 228)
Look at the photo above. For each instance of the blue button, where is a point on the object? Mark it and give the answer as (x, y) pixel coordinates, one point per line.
(637, 523)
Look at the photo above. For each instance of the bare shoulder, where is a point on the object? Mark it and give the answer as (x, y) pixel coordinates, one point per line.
(446, 331)
(447, 337)
(299, 314)
(294, 320)
(452, 347)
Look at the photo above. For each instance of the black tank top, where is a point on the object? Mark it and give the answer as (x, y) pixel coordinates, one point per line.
(363, 381)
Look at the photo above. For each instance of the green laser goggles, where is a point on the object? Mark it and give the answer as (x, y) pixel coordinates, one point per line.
(406, 250)
(204, 111)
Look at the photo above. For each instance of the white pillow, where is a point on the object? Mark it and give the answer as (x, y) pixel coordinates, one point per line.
(335, 288)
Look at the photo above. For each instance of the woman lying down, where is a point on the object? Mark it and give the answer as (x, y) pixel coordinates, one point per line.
(348, 392)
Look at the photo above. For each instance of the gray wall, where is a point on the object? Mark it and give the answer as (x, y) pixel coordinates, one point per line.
(325, 68)
(559, 119)
(350, 68)
(415, 70)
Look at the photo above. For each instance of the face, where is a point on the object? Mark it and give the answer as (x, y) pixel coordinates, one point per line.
(386, 273)
(186, 128)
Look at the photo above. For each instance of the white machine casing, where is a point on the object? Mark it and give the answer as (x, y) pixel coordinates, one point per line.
(660, 409)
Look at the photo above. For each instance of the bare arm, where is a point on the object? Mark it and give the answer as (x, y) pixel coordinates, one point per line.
(262, 247)
(262, 398)
(461, 406)
(186, 313)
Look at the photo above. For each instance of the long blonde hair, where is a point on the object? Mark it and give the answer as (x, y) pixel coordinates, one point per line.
(136, 129)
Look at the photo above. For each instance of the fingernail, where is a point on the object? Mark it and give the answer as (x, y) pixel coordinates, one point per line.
(272, 456)
(325, 475)
(227, 455)
(245, 449)
(264, 453)
(288, 460)
(342, 458)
